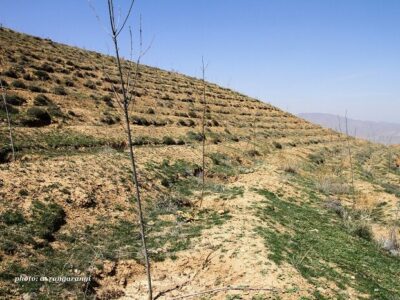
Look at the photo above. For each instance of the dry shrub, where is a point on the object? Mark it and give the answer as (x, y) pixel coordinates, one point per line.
(332, 186)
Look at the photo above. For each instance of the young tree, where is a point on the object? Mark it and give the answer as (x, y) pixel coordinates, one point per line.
(128, 83)
(203, 133)
(351, 161)
(3, 94)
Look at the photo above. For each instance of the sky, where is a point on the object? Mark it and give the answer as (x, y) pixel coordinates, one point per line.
(300, 55)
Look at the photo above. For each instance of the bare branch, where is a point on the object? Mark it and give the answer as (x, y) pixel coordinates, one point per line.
(126, 18)
(8, 119)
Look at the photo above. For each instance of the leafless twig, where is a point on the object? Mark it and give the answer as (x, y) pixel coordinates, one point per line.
(3, 94)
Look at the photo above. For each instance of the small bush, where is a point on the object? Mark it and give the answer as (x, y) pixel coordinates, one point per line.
(36, 89)
(69, 82)
(110, 119)
(11, 217)
(15, 100)
(363, 230)
(55, 111)
(3, 83)
(316, 158)
(42, 75)
(277, 145)
(42, 100)
(59, 90)
(190, 123)
(192, 114)
(181, 122)
(36, 117)
(5, 154)
(11, 109)
(27, 77)
(216, 140)
(140, 121)
(48, 219)
(332, 186)
(108, 100)
(90, 84)
(253, 153)
(196, 136)
(167, 140)
(46, 67)
(151, 111)
(11, 73)
(19, 84)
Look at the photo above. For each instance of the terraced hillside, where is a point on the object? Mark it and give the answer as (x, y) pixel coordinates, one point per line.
(281, 218)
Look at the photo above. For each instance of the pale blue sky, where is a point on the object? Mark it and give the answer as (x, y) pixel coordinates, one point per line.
(300, 55)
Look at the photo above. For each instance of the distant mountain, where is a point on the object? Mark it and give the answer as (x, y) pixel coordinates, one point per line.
(380, 132)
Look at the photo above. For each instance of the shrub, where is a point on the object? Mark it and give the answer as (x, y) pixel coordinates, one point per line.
(46, 67)
(151, 111)
(110, 119)
(36, 117)
(167, 140)
(68, 82)
(290, 169)
(196, 136)
(181, 122)
(108, 100)
(15, 100)
(11, 73)
(42, 75)
(180, 142)
(11, 109)
(363, 230)
(55, 110)
(3, 83)
(192, 114)
(332, 186)
(216, 140)
(277, 145)
(48, 219)
(140, 121)
(59, 90)
(19, 84)
(36, 89)
(90, 84)
(316, 158)
(5, 154)
(337, 207)
(42, 100)
(253, 153)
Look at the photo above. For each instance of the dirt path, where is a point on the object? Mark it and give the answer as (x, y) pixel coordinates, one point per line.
(228, 255)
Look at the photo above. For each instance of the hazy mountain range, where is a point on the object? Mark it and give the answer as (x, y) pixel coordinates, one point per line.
(380, 132)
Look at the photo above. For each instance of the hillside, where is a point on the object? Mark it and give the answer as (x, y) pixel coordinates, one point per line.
(277, 222)
(378, 132)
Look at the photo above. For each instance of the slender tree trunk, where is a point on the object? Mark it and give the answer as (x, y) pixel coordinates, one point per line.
(203, 133)
(3, 94)
(351, 163)
(126, 100)
(139, 203)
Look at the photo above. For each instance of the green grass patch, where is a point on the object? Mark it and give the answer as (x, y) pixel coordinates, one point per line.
(318, 245)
